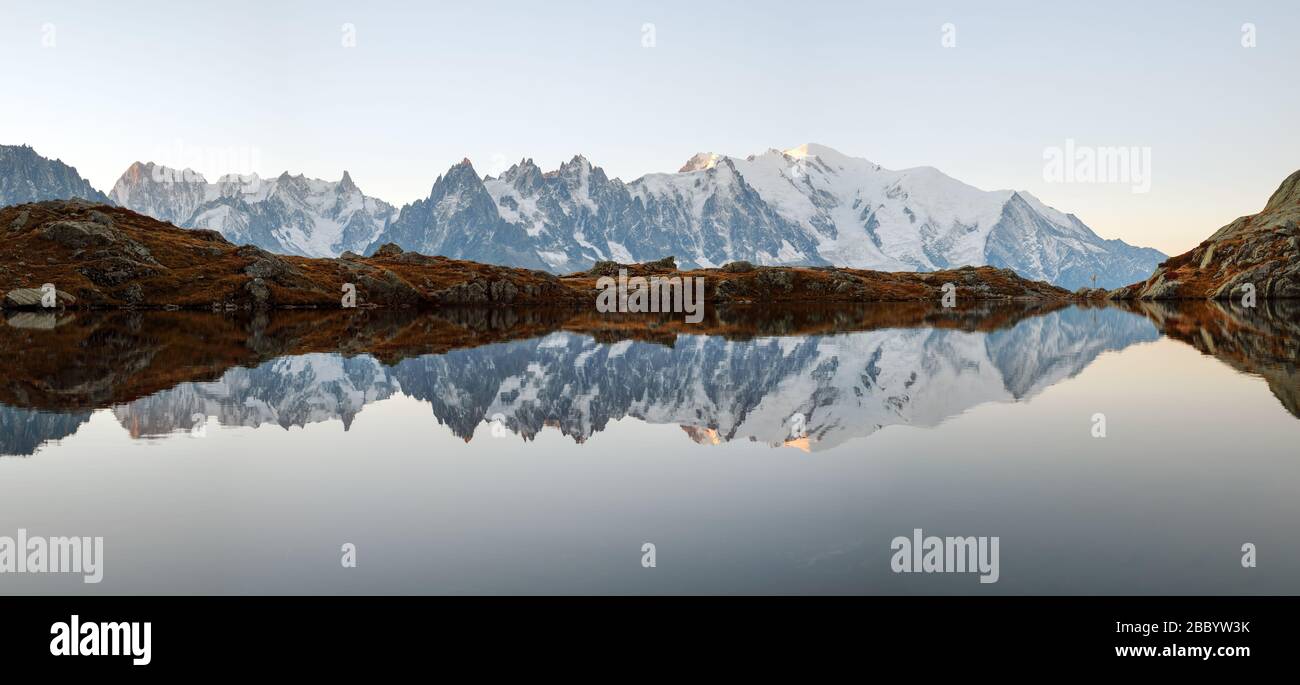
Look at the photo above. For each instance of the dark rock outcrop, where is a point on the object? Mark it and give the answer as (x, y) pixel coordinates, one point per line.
(25, 176)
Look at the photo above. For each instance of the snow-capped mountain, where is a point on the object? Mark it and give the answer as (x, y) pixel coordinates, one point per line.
(25, 176)
(23, 431)
(286, 214)
(460, 219)
(807, 205)
(290, 391)
(813, 392)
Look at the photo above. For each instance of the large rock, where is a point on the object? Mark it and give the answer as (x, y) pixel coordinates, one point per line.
(31, 298)
(82, 235)
(1260, 251)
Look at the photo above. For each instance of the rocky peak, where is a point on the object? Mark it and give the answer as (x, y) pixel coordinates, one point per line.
(576, 165)
(1286, 196)
(136, 173)
(26, 176)
(460, 174)
(460, 178)
(699, 162)
(1259, 254)
(346, 185)
(525, 177)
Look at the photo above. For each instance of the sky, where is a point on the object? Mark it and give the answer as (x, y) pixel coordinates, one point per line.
(396, 93)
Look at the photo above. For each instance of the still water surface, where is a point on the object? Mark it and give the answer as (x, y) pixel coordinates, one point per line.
(538, 456)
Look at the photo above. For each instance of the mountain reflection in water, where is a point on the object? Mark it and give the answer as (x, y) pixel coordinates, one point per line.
(811, 378)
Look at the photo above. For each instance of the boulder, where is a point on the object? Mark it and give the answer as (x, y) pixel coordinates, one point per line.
(388, 250)
(259, 292)
(738, 267)
(78, 234)
(30, 298)
(605, 268)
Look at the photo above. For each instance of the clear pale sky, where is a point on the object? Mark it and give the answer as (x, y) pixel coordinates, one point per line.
(496, 81)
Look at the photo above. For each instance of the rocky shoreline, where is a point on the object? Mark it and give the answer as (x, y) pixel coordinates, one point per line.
(1256, 256)
(138, 353)
(96, 256)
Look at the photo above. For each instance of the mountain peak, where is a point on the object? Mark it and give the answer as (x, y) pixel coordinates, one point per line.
(165, 174)
(346, 184)
(136, 173)
(1286, 194)
(700, 161)
(26, 176)
(814, 150)
(578, 163)
(573, 167)
(523, 169)
(237, 178)
(460, 173)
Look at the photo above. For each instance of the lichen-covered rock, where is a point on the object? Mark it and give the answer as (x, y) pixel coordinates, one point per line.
(33, 298)
(463, 293)
(78, 234)
(115, 271)
(738, 267)
(259, 293)
(1262, 251)
(378, 287)
(777, 280)
(502, 292)
(20, 221)
(81, 235)
(605, 268)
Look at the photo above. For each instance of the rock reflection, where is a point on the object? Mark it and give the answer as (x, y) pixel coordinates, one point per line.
(811, 378)
(1263, 340)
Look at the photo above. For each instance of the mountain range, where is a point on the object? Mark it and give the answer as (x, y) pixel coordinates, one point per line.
(844, 373)
(25, 176)
(841, 387)
(286, 214)
(808, 205)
